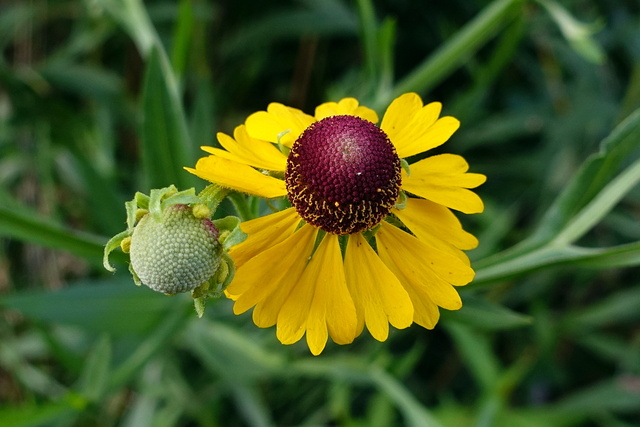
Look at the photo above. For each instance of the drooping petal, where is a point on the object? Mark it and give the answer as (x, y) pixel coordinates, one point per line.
(443, 179)
(269, 277)
(432, 222)
(414, 128)
(263, 233)
(415, 264)
(238, 176)
(320, 304)
(278, 124)
(377, 293)
(251, 151)
(425, 311)
(346, 106)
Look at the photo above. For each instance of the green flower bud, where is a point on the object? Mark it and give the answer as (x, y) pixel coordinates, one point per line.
(176, 252)
(173, 244)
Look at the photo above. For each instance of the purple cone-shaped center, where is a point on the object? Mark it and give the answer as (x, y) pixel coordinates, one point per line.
(343, 175)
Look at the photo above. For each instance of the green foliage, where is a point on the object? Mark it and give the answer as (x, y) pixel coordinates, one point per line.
(103, 98)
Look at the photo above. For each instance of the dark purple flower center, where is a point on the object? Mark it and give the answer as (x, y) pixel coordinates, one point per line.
(343, 175)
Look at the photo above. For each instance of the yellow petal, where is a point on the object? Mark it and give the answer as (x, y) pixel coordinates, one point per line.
(346, 106)
(432, 222)
(250, 151)
(278, 123)
(415, 264)
(263, 233)
(442, 264)
(413, 128)
(377, 293)
(320, 303)
(332, 297)
(425, 311)
(238, 176)
(399, 113)
(274, 271)
(265, 313)
(443, 179)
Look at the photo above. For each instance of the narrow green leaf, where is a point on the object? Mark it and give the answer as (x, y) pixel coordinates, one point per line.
(230, 353)
(621, 307)
(83, 80)
(94, 377)
(33, 415)
(475, 351)
(600, 205)
(182, 37)
(114, 306)
(142, 411)
(619, 394)
(134, 19)
(414, 413)
(166, 145)
(165, 328)
(593, 176)
(251, 405)
(101, 193)
(203, 116)
(368, 36)
(21, 224)
(548, 256)
(578, 35)
(325, 18)
(482, 314)
(615, 349)
(459, 48)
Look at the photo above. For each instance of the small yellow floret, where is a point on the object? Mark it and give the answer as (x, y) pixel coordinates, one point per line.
(140, 213)
(125, 245)
(200, 210)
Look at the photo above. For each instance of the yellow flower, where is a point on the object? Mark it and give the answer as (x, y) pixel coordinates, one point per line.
(369, 241)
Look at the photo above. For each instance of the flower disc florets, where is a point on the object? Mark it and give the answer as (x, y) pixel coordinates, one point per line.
(175, 253)
(343, 174)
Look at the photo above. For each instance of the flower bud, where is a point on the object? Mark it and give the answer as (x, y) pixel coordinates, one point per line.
(176, 252)
(173, 244)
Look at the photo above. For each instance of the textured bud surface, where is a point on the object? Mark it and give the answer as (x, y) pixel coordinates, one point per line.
(343, 174)
(176, 253)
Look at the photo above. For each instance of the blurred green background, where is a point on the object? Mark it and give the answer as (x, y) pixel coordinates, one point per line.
(102, 98)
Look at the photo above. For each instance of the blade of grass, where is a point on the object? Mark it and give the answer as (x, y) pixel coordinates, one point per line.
(458, 49)
(37, 414)
(589, 195)
(167, 328)
(182, 37)
(115, 306)
(600, 205)
(166, 143)
(95, 371)
(592, 177)
(415, 414)
(28, 226)
(476, 354)
(485, 315)
(547, 256)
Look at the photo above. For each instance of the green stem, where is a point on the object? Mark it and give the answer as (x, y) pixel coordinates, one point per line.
(212, 195)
